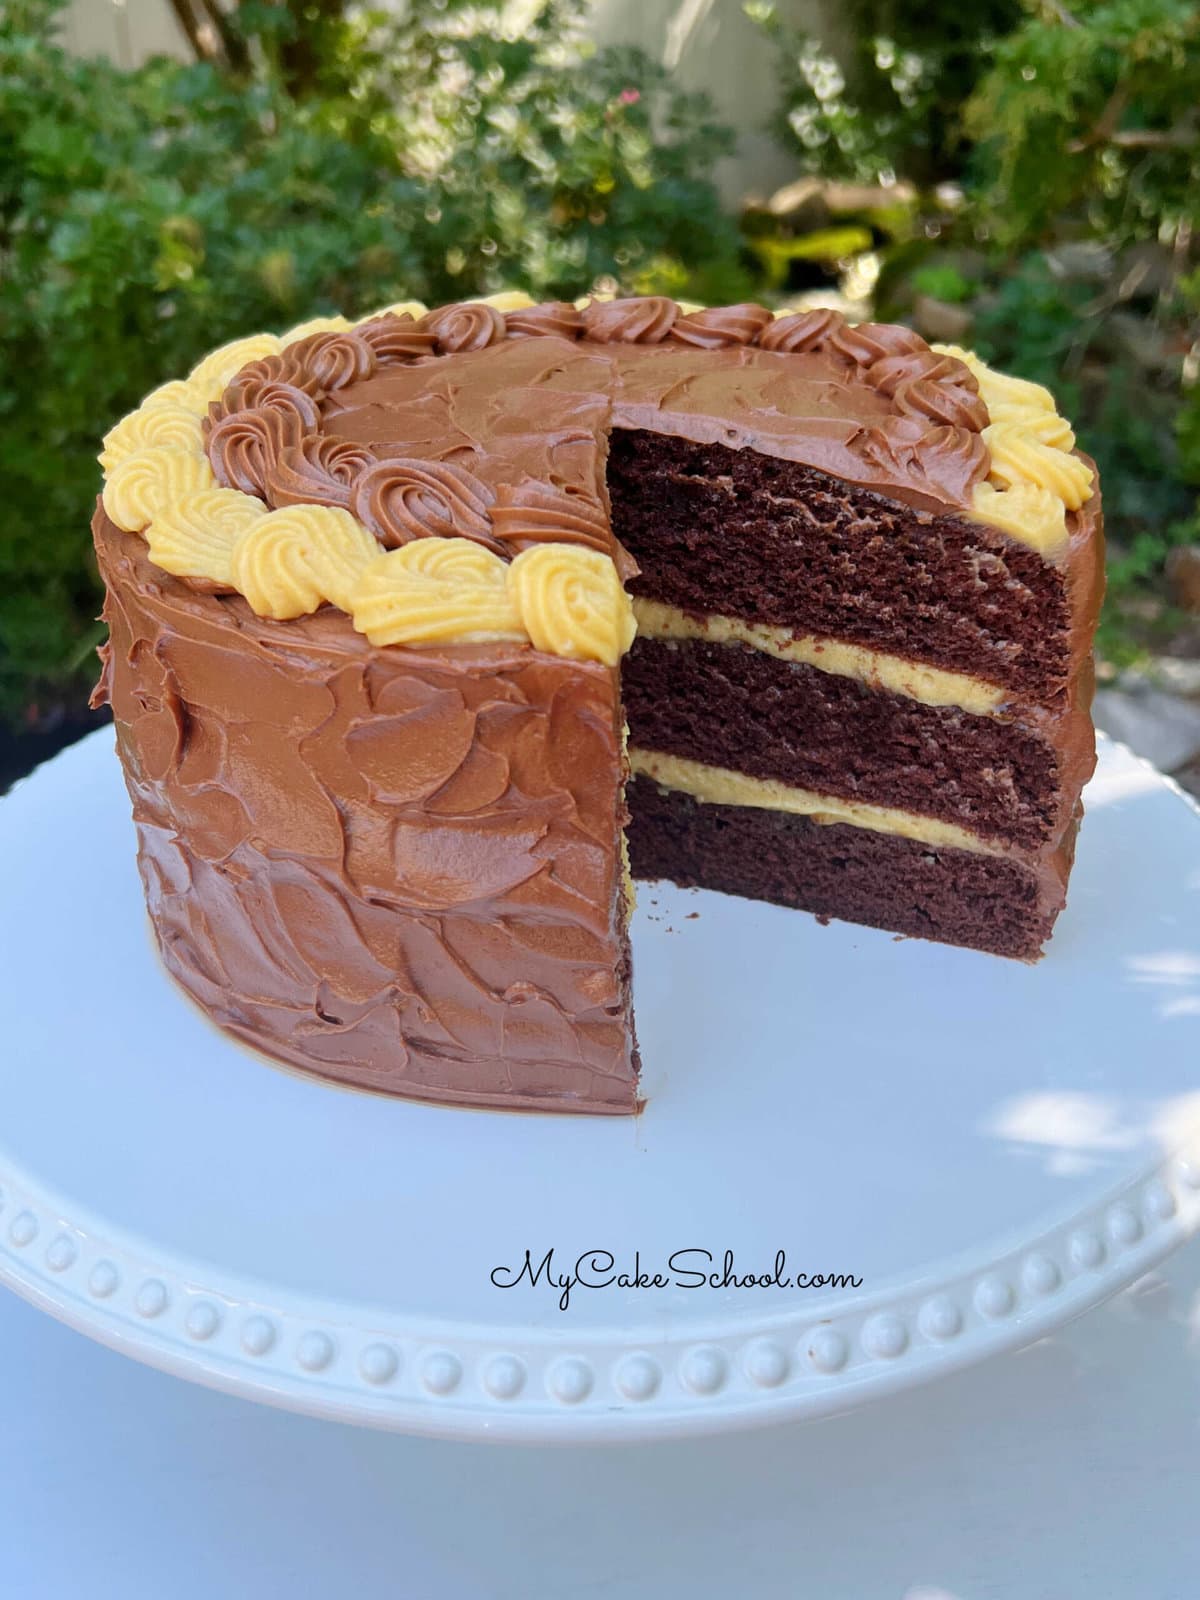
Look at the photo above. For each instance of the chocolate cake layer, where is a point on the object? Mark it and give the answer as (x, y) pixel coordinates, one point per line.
(986, 902)
(398, 868)
(770, 540)
(735, 707)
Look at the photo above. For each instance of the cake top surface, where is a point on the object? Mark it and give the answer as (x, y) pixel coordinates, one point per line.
(516, 410)
(439, 475)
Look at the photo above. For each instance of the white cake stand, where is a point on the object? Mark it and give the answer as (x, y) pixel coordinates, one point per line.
(990, 1148)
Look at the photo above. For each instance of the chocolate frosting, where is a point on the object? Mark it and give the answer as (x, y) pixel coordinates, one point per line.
(470, 326)
(338, 359)
(714, 327)
(537, 513)
(557, 318)
(396, 338)
(245, 446)
(647, 320)
(398, 868)
(800, 331)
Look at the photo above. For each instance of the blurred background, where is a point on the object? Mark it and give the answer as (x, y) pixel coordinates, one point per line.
(1022, 178)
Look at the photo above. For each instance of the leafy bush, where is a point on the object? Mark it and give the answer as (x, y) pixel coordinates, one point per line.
(1086, 132)
(1088, 116)
(1067, 244)
(882, 94)
(323, 163)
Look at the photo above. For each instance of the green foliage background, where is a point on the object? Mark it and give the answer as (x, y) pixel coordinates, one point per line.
(146, 216)
(1035, 163)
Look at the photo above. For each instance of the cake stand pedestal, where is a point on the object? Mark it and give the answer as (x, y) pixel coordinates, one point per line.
(988, 1148)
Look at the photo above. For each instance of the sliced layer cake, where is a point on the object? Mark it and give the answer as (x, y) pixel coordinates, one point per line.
(372, 592)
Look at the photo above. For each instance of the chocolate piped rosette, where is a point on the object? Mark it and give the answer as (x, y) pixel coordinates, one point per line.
(372, 590)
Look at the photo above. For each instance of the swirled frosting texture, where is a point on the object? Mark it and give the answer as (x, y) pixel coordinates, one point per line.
(152, 479)
(171, 424)
(536, 513)
(716, 327)
(647, 320)
(317, 471)
(470, 326)
(403, 498)
(245, 446)
(1019, 455)
(398, 868)
(194, 534)
(220, 366)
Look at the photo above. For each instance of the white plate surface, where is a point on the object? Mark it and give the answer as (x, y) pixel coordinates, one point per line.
(991, 1148)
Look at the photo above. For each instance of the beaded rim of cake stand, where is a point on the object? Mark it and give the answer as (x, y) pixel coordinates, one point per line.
(352, 1367)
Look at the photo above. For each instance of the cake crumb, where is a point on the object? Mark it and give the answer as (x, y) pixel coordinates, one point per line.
(692, 916)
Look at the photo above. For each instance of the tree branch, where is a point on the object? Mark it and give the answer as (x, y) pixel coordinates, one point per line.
(1176, 138)
(1106, 123)
(233, 45)
(202, 44)
(1107, 131)
(1060, 13)
(301, 57)
(210, 34)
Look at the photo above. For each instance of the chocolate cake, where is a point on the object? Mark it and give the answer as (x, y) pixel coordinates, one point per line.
(373, 593)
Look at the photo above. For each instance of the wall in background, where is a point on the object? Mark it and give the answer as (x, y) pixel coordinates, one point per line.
(713, 45)
(710, 44)
(126, 30)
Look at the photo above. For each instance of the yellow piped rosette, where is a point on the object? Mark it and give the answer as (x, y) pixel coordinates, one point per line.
(193, 535)
(152, 479)
(213, 375)
(436, 591)
(565, 600)
(571, 602)
(291, 561)
(1034, 478)
(287, 563)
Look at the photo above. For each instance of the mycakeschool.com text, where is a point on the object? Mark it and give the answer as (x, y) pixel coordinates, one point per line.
(691, 1268)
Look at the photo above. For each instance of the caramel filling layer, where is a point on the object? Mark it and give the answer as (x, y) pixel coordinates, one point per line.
(931, 686)
(719, 786)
